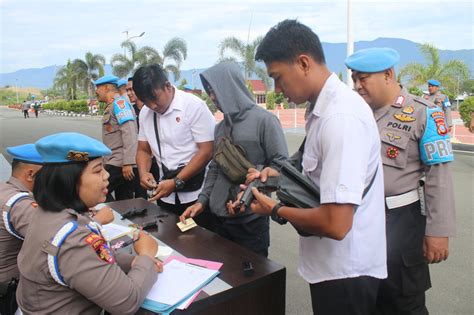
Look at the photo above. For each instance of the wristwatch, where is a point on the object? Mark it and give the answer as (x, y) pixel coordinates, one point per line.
(179, 183)
(275, 217)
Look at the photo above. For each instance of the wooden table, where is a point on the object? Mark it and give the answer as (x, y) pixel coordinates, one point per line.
(262, 293)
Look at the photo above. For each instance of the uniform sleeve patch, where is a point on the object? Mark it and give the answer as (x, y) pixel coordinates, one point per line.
(123, 111)
(99, 245)
(438, 117)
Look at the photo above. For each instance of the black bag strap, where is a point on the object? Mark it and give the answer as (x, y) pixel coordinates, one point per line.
(366, 190)
(157, 136)
(228, 127)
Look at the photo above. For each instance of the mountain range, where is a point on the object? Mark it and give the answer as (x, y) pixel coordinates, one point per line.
(335, 54)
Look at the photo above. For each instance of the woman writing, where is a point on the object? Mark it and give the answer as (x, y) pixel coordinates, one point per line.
(65, 264)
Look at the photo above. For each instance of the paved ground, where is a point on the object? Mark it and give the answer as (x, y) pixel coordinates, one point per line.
(453, 280)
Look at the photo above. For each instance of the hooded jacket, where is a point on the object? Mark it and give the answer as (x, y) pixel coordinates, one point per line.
(255, 129)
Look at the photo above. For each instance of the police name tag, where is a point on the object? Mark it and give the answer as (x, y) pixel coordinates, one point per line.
(187, 225)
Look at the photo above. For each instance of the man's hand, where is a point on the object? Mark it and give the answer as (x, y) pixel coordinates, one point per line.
(146, 245)
(164, 189)
(234, 207)
(436, 249)
(158, 264)
(104, 216)
(262, 204)
(191, 211)
(263, 175)
(127, 172)
(147, 181)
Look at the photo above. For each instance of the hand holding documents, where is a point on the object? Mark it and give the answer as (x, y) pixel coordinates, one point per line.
(187, 225)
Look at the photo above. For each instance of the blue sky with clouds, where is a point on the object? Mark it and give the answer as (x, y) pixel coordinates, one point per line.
(39, 33)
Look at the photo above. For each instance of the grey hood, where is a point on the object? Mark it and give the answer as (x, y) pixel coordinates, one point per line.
(228, 85)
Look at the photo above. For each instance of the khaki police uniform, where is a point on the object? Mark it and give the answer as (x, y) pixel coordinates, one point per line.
(73, 271)
(16, 210)
(439, 100)
(119, 134)
(402, 126)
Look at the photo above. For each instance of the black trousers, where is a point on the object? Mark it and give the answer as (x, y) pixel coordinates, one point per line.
(253, 235)
(350, 296)
(117, 183)
(25, 113)
(204, 219)
(403, 292)
(8, 305)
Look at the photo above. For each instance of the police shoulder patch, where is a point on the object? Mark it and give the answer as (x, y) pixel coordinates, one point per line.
(99, 245)
(435, 145)
(123, 111)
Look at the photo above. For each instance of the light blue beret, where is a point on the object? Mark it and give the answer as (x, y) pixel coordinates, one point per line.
(434, 82)
(111, 79)
(68, 147)
(373, 60)
(122, 82)
(26, 153)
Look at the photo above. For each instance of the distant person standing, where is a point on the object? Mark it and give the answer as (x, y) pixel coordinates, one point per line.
(119, 133)
(36, 107)
(26, 108)
(441, 100)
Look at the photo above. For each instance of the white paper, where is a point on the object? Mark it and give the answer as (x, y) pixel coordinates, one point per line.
(177, 281)
(113, 231)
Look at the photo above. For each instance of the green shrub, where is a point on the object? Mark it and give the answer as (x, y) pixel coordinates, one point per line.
(465, 109)
(271, 100)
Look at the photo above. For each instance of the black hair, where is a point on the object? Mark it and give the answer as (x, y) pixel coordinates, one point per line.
(130, 79)
(56, 187)
(287, 40)
(15, 165)
(148, 78)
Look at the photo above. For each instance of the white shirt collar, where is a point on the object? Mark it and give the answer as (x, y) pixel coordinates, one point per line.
(176, 103)
(326, 94)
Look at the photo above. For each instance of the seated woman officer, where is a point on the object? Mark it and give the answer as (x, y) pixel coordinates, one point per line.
(66, 266)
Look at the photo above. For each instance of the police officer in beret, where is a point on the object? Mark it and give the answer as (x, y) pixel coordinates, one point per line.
(440, 100)
(119, 133)
(419, 197)
(17, 207)
(66, 266)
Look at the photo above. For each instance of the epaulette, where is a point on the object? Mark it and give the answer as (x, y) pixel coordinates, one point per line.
(423, 102)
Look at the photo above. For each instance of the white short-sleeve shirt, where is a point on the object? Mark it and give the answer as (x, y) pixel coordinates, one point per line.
(341, 154)
(187, 121)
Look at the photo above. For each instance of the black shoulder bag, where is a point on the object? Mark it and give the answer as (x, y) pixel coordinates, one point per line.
(192, 184)
(298, 190)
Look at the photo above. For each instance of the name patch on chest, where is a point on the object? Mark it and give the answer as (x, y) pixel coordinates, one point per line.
(399, 126)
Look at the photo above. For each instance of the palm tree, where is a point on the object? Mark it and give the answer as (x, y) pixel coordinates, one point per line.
(66, 79)
(247, 53)
(448, 73)
(89, 69)
(125, 64)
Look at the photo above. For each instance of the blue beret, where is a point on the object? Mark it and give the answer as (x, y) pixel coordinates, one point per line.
(67, 147)
(111, 79)
(26, 153)
(434, 82)
(373, 60)
(122, 82)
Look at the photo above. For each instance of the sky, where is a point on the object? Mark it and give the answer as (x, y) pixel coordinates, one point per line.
(40, 33)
